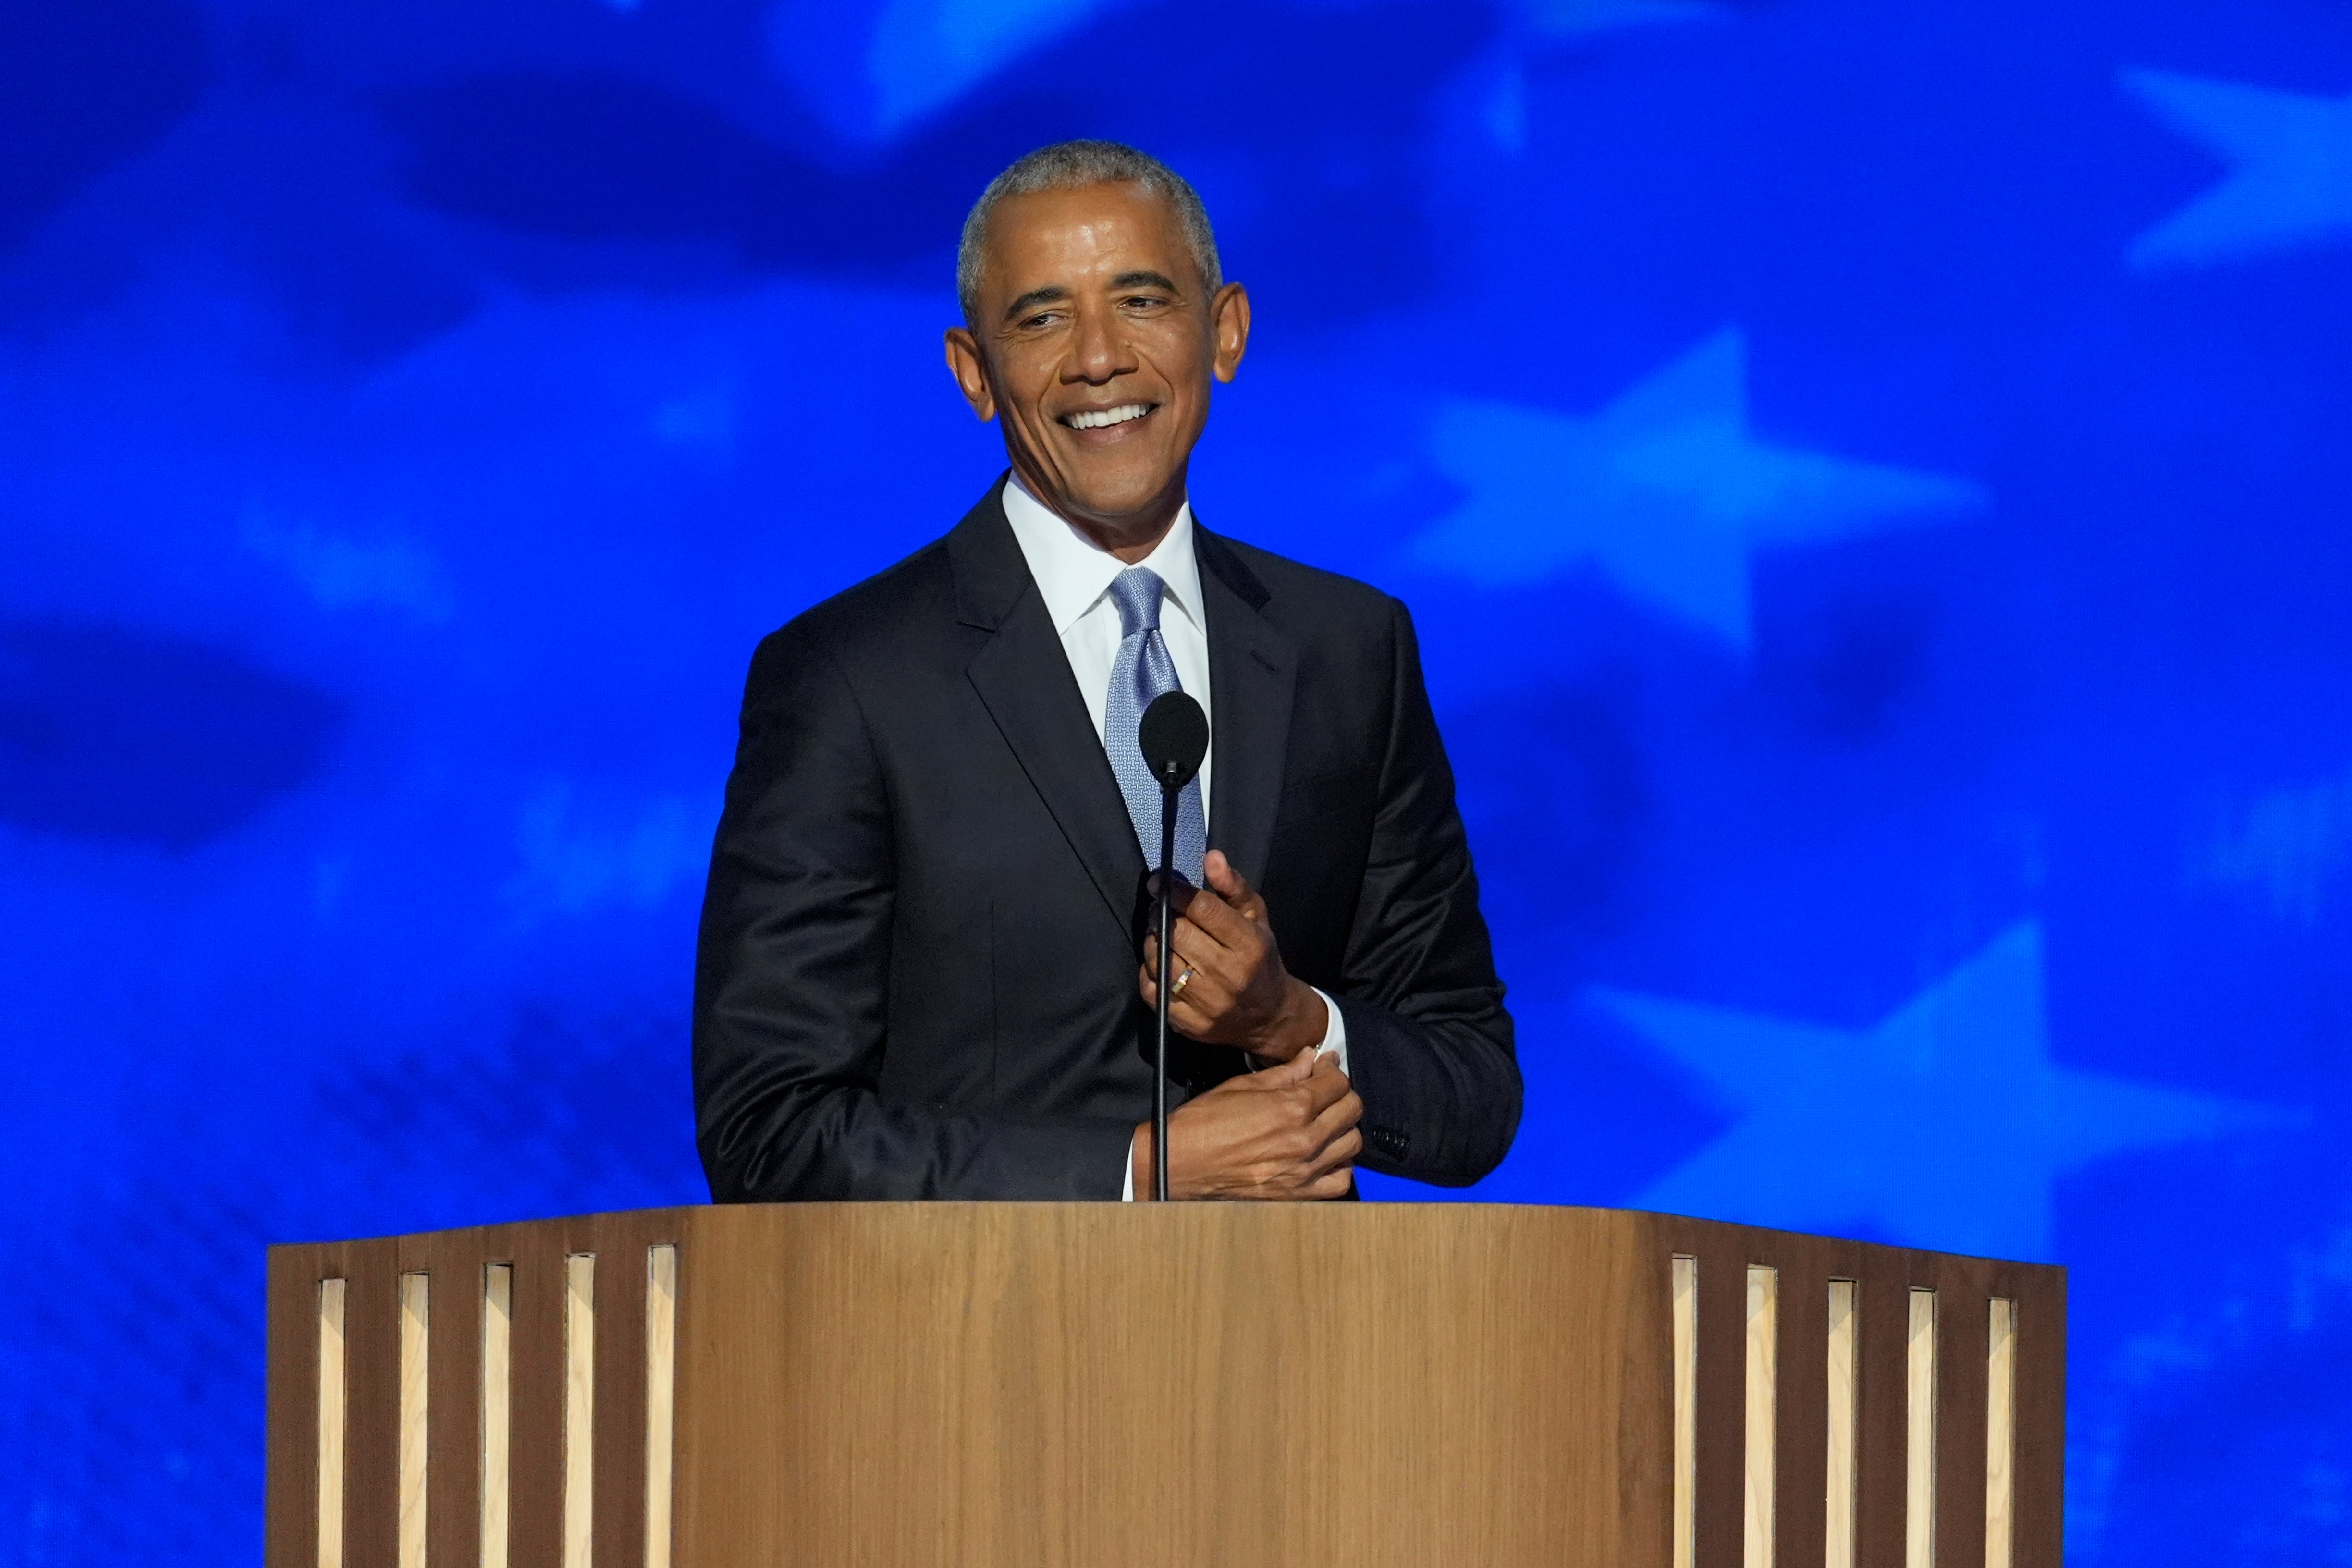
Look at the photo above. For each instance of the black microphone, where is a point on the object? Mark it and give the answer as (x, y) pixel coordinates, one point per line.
(1173, 736)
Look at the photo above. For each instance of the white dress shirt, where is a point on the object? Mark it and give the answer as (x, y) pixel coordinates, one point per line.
(1073, 576)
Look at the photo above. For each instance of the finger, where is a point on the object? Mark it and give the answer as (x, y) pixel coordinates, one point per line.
(1194, 1008)
(1199, 1009)
(1219, 1010)
(1327, 1063)
(1219, 873)
(1197, 999)
(1284, 1075)
(1340, 1150)
(1327, 1087)
(1319, 1097)
(1336, 1183)
(1181, 892)
(1336, 1119)
(1205, 948)
(1231, 886)
(1151, 952)
(1146, 985)
(1335, 1137)
(1192, 951)
(1213, 914)
(1201, 960)
(1238, 969)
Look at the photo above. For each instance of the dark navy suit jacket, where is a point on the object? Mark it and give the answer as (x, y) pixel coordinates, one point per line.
(917, 972)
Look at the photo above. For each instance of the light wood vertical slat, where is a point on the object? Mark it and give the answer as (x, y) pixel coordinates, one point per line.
(1685, 1340)
(416, 1398)
(1763, 1387)
(579, 1410)
(1844, 1373)
(333, 1396)
(498, 1410)
(2000, 1432)
(1919, 1447)
(661, 1395)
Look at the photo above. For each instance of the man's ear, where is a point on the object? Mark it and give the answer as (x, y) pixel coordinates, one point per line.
(1229, 318)
(970, 371)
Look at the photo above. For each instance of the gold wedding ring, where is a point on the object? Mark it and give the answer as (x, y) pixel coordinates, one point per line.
(1182, 981)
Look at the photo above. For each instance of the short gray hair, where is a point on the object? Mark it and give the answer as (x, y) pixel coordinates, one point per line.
(1073, 166)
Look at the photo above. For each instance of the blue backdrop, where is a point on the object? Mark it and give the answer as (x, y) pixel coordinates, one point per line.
(1872, 475)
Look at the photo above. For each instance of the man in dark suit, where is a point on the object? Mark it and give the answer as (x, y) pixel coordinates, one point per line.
(924, 971)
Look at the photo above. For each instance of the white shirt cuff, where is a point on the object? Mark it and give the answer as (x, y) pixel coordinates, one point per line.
(1334, 1044)
(1335, 1030)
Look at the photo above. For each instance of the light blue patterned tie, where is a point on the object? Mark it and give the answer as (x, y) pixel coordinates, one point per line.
(1142, 671)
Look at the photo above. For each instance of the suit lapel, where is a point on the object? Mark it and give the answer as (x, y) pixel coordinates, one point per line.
(1252, 670)
(1023, 679)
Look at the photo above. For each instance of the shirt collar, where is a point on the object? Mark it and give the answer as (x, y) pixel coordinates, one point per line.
(1073, 573)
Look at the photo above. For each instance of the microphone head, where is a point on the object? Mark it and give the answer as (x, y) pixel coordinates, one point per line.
(1173, 736)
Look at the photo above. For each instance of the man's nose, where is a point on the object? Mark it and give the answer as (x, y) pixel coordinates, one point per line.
(1098, 353)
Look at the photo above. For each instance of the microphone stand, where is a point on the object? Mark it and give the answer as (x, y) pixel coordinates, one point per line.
(1173, 736)
(1168, 797)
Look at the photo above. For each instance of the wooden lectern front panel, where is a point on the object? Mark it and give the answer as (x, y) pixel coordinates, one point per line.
(1083, 1385)
(1070, 1386)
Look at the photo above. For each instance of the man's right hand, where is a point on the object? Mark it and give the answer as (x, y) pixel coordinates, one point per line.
(1287, 1132)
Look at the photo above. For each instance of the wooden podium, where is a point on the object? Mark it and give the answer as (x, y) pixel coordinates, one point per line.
(983, 1385)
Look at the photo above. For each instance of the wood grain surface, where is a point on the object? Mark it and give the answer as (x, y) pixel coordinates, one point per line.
(1071, 1386)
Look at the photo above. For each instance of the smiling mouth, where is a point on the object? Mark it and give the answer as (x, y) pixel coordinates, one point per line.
(1103, 418)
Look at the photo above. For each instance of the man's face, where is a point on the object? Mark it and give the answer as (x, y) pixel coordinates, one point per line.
(1095, 338)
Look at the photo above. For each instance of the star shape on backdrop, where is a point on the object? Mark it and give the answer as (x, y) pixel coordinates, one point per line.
(2289, 157)
(1946, 1125)
(1666, 489)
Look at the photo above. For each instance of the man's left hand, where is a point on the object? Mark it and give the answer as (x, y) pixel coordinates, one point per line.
(1238, 992)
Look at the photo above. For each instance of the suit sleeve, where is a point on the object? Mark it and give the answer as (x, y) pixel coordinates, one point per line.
(1429, 1044)
(792, 981)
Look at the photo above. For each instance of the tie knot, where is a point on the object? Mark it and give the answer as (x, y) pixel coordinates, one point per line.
(1135, 592)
